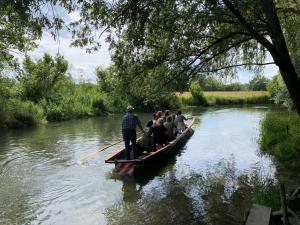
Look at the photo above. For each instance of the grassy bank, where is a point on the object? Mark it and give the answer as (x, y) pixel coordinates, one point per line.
(67, 101)
(280, 137)
(227, 97)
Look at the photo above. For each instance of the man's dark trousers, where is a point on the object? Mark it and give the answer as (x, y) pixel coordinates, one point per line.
(129, 135)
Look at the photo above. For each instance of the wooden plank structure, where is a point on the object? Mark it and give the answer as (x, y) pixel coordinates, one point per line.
(156, 154)
(259, 215)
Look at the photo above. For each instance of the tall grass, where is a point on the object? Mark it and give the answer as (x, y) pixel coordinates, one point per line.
(227, 98)
(82, 100)
(280, 137)
(17, 113)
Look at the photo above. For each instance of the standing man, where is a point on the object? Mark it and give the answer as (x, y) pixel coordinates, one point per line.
(129, 123)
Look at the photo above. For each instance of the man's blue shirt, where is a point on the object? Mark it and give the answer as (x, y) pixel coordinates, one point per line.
(130, 121)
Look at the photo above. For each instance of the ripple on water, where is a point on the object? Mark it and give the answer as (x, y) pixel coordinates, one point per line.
(208, 180)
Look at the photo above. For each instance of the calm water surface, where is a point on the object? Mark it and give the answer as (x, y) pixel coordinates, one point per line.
(41, 183)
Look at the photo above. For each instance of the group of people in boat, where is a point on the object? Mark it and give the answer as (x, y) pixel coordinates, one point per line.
(157, 133)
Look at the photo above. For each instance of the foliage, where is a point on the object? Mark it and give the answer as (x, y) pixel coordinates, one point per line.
(193, 38)
(123, 91)
(42, 92)
(227, 98)
(258, 83)
(39, 78)
(218, 36)
(78, 101)
(280, 137)
(265, 191)
(279, 93)
(212, 84)
(24, 113)
(22, 23)
(197, 94)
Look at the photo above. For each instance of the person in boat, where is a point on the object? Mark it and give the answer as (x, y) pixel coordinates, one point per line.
(158, 115)
(146, 142)
(167, 114)
(175, 130)
(129, 123)
(169, 125)
(159, 135)
(154, 118)
(180, 121)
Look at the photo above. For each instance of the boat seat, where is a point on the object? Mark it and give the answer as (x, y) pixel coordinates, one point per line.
(259, 215)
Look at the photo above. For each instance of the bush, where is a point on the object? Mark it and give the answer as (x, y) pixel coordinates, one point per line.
(67, 110)
(258, 83)
(279, 93)
(197, 94)
(3, 112)
(24, 113)
(280, 137)
(99, 106)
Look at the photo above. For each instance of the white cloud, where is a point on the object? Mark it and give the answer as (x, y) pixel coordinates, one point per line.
(81, 63)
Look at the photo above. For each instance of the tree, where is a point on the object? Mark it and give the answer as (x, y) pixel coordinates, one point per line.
(197, 94)
(279, 93)
(39, 78)
(258, 83)
(195, 37)
(21, 23)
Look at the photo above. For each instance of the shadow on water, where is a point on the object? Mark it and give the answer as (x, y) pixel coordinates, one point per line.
(219, 196)
(211, 180)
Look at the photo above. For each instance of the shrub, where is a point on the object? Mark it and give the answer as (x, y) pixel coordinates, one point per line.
(197, 94)
(280, 137)
(279, 93)
(3, 112)
(24, 113)
(99, 106)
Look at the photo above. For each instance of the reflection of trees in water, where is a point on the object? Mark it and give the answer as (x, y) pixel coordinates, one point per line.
(219, 196)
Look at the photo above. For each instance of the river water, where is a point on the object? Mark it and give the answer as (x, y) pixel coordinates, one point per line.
(207, 182)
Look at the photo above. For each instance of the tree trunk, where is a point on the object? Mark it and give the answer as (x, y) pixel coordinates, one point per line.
(281, 54)
(291, 80)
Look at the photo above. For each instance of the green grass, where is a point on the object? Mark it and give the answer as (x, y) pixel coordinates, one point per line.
(280, 137)
(228, 97)
(16, 113)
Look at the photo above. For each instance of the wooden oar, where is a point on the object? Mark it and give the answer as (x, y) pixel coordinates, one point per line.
(84, 158)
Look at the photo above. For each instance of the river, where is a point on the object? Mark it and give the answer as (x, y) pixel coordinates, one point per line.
(207, 182)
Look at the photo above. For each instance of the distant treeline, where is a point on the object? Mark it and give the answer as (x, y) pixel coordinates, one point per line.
(43, 91)
(257, 83)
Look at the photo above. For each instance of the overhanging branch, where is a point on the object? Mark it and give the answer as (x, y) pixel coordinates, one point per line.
(238, 65)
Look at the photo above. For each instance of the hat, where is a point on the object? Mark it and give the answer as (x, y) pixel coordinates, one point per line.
(130, 108)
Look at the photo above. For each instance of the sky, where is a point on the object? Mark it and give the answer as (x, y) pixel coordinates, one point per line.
(83, 64)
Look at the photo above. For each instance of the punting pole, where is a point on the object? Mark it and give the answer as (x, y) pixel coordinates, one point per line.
(84, 158)
(92, 154)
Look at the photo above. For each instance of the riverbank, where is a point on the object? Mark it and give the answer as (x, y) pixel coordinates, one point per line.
(74, 101)
(280, 137)
(67, 101)
(212, 98)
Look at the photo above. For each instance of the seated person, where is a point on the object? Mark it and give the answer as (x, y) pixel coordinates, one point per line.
(167, 114)
(159, 136)
(169, 125)
(158, 116)
(180, 121)
(146, 142)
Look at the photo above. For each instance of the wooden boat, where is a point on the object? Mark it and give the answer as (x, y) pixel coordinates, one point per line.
(158, 154)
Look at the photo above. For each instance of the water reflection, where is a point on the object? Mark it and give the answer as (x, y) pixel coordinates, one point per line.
(219, 196)
(207, 182)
